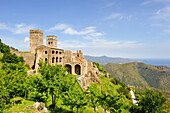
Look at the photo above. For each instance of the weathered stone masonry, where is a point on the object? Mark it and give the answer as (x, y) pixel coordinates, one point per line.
(73, 60)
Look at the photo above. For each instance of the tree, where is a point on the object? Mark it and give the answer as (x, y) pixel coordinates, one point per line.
(75, 97)
(12, 58)
(150, 102)
(4, 48)
(92, 96)
(12, 78)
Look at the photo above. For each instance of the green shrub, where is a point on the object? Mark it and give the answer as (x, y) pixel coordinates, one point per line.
(12, 58)
(124, 91)
(101, 69)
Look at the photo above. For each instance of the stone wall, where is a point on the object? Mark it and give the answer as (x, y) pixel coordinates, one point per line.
(29, 58)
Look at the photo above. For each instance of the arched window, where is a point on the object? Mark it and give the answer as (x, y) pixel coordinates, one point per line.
(68, 66)
(56, 52)
(53, 60)
(56, 59)
(45, 59)
(60, 52)
(60, 59)
(77, 69)
(52, 52)
(45, 52)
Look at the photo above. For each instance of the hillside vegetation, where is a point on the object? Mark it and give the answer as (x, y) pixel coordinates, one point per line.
(139, 74)
(61, 93)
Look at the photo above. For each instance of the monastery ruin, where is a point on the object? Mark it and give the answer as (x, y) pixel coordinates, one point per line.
(74, 60)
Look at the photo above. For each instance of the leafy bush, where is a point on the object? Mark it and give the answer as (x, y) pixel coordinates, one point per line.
(150, 102)
(101, 69)
(12, 58)
(125, 91)
(4, 48)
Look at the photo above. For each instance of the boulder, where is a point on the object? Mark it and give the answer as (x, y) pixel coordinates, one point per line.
(36, 105)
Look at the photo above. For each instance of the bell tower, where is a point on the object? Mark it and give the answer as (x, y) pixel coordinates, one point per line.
(51, 41)
(36, 39)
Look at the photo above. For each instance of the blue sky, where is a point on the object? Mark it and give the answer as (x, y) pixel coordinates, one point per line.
(115, 28)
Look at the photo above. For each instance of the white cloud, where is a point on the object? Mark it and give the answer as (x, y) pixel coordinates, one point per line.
(26, 39)
(118, 16)
(66, 29)
(154, 1)
(163, 14)
(76, 44)
(57, 27)
(86, 31)
(22, 28)
(98, 43)
(96, 34)
(114, 16)
(3, 26)
(158, 12)
(17, 29)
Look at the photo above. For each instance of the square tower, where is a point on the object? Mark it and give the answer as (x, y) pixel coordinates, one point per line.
(51, 41)
(36, 39)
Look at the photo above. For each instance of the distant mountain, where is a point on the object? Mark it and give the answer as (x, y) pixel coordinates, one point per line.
(139, 74)
(104, 59)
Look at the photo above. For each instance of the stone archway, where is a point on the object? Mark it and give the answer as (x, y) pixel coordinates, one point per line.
(69, 68)
(78, 69)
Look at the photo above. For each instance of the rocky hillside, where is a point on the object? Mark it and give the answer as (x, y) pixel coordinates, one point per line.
(164, 68)
(139, 74)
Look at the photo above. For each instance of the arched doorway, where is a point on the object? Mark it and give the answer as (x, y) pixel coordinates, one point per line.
(68, 66)
(77, 69)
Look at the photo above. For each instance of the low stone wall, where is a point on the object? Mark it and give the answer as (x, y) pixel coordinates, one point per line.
(28, 57)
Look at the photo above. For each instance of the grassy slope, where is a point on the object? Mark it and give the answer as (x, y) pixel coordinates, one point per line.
(139, 74)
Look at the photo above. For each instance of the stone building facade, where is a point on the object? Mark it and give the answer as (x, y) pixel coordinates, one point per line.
(74, 60)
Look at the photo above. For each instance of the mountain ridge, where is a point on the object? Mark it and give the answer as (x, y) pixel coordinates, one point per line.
(104, 59)
(139, 74)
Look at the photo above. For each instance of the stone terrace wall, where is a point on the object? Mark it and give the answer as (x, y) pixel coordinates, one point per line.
(28, 57)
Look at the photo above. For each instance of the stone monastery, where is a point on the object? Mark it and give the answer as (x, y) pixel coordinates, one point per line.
(74, 60)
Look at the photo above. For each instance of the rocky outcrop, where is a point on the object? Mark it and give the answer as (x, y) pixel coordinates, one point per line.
(91, 77)
(39, 106)
(163, 68)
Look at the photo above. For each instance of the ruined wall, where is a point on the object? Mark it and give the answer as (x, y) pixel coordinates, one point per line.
(29, 58)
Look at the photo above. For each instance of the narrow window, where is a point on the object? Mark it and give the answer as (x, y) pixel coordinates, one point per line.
(45, 52)
(56, 52)
(45, 59)
(60, 59)
(52, 52)
(49, 43)
(56, 59)
(53, 60)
